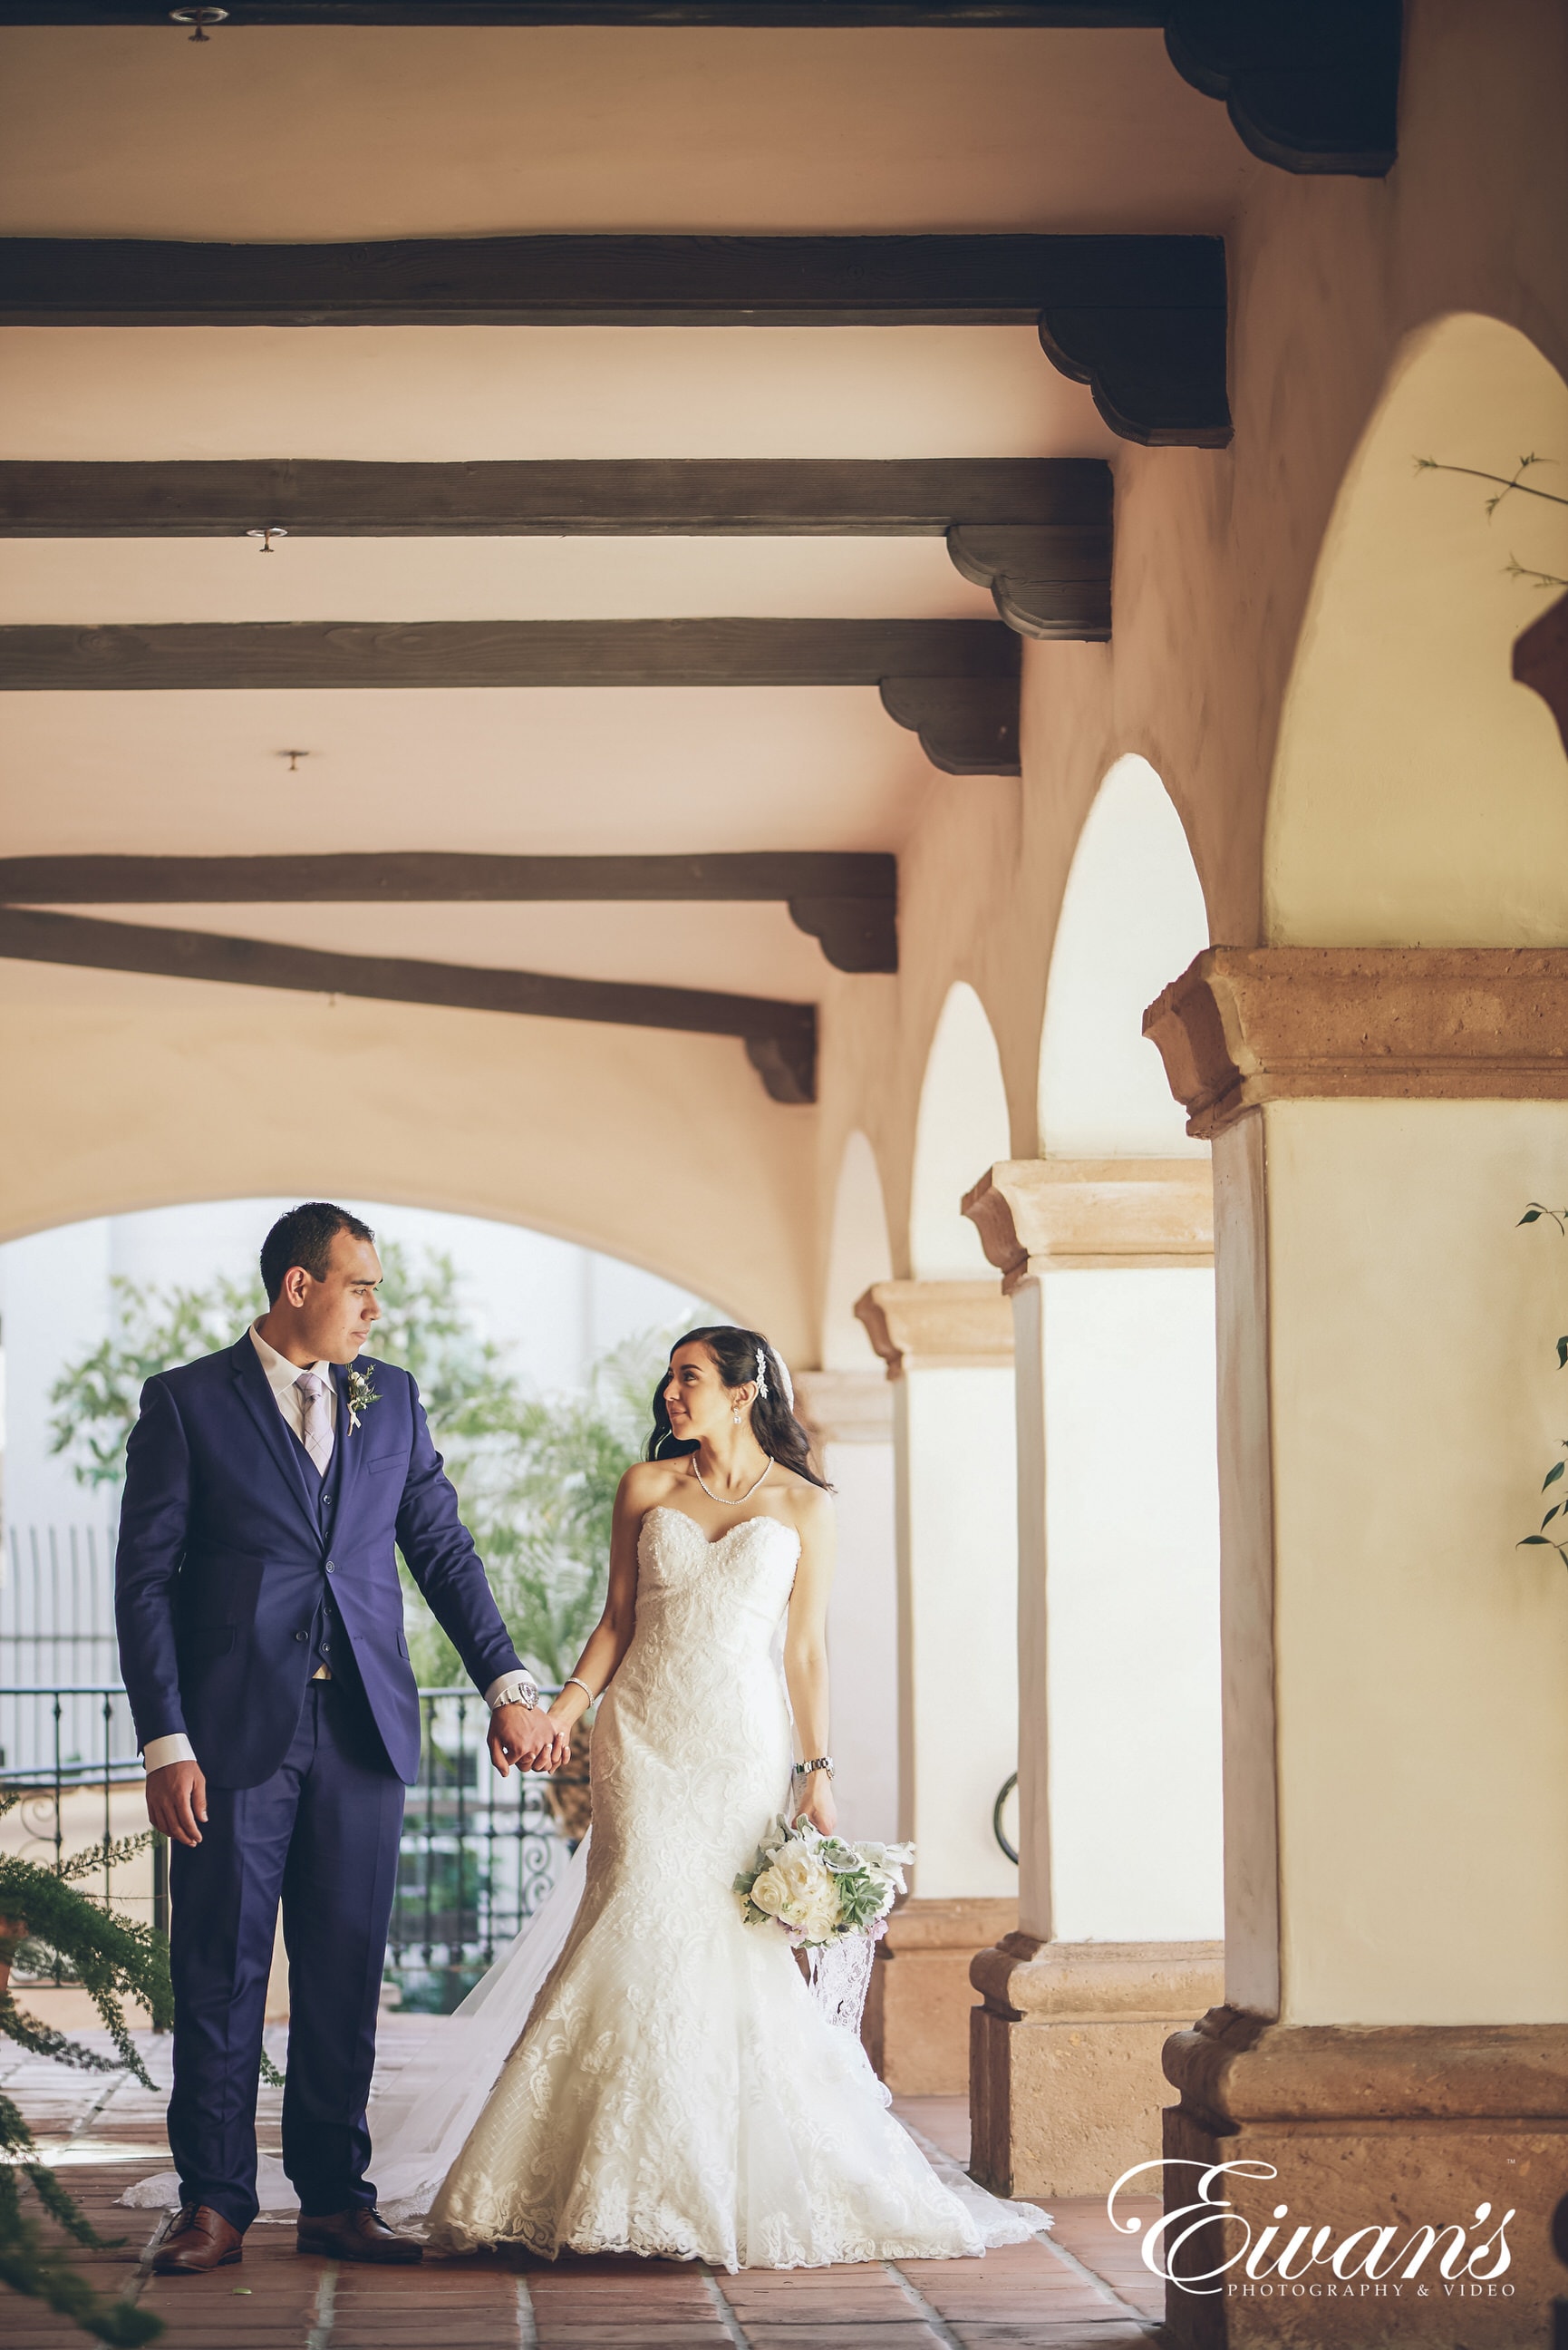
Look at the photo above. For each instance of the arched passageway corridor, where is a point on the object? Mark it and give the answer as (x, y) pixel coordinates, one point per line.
(673, 631)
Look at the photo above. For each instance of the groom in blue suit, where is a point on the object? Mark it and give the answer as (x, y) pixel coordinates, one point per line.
(261, 1636)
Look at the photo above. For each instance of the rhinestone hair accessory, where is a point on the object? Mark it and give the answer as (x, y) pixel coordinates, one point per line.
(761, 1371)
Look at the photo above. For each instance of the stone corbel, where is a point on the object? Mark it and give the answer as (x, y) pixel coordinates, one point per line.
(967, 725)
(1093, 1214)
(1246, 1025)
(938, 1324)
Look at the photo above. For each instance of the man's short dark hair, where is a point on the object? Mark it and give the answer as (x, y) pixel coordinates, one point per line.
(305, 1237)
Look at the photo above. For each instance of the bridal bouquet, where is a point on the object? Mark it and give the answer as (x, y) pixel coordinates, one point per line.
(819, 1888)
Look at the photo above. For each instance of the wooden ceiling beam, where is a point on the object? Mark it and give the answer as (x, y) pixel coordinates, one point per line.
(1140, 319)
(1036, 531)
(847, 901)
(955, 682)
(740, 497)
(780, 1037)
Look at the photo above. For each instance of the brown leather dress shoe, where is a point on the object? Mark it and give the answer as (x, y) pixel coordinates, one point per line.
(199, 2240)
(357, 2234)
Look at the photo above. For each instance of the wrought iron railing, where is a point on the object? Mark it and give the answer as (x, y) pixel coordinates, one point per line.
(1009, 1788)
(478, 1856)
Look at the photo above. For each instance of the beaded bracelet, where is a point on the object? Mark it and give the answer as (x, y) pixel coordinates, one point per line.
(817, 1762)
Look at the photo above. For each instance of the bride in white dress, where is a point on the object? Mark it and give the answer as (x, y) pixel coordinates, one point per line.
(677, 2090)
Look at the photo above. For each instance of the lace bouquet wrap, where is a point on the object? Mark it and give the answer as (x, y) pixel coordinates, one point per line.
(831, 1898)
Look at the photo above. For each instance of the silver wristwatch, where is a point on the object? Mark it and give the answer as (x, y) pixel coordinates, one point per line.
(817, 1762)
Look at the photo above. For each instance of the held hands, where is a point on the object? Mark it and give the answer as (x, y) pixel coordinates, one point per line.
(177, 1800)
(816, 1804)
(528, 1737)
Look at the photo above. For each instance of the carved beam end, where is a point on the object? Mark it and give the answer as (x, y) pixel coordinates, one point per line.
(858, 934)
(1045, 579)
(967, 725)
(1157, 374)
(1308, 89)
(787, 1063)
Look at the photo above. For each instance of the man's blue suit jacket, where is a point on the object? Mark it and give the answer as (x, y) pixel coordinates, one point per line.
(223, 1563)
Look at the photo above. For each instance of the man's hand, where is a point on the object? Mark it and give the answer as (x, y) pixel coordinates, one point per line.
(520, 1734)
(177, 1800)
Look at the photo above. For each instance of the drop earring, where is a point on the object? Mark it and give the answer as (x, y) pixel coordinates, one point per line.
(736, 1417)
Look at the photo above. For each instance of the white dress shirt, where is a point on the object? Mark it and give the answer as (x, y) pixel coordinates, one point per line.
(512, 1689)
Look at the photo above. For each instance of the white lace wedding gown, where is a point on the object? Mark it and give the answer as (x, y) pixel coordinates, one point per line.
(678, 2091)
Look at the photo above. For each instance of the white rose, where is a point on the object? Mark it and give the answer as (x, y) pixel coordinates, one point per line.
(801, 1874)
(770, 1892)
(818, 1917)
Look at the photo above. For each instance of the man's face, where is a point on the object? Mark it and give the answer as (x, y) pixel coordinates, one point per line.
(337, 1315)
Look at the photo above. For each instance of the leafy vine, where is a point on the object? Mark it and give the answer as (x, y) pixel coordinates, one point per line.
(1558, 1216)
(1507, 484)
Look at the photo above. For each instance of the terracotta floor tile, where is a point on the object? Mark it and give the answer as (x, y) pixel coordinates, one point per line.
(1020, 2297)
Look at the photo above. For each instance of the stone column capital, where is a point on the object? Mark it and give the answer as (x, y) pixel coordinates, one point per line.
(844, 1407)
(1246, 1025)
(1093, 1214)
(938, 1324)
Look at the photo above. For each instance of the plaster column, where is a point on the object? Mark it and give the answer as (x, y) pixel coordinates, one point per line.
(849, 1416)
(1394, 2035)
(948, 1348)
(1106, 1263)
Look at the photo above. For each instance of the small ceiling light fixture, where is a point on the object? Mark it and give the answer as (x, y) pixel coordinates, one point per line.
(294, 758)
(199, 17)
(273, 530)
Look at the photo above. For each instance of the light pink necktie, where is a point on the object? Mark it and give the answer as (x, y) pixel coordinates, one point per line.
(318, 1430)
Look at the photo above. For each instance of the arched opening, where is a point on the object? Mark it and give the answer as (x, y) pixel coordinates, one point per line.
(1131, 1843)
(962, 1124)
(1418, 795)
(1132, 917)
(858, 1254)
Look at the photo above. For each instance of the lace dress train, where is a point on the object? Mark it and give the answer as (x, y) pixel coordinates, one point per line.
(677, 2090)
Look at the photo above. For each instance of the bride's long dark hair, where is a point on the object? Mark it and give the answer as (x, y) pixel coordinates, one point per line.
(735, 1353)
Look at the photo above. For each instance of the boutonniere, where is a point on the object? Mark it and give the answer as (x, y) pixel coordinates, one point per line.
(361, 1396)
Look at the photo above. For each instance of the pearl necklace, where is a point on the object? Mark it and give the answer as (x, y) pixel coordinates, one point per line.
(723, 1499)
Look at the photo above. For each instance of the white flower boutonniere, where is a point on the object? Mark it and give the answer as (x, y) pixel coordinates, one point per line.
(361, 1396)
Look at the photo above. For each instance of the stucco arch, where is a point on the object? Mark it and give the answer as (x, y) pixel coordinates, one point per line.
(1132, 916)
(858, 1254)
(1417, 797)
(963, 1125)
(125, 1093)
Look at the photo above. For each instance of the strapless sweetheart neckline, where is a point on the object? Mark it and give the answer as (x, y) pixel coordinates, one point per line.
(759, 1518)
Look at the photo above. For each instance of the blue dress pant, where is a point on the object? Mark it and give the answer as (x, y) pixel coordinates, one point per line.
(321, 1835)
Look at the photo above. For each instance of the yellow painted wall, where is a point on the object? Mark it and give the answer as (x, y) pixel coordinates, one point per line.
(1419, 796)
(1420, 1657)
